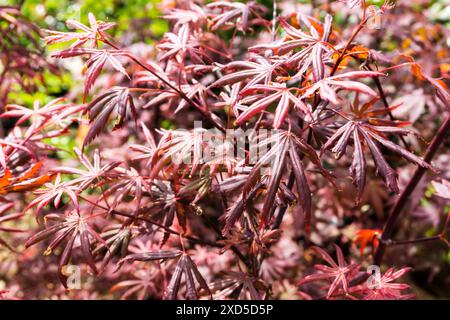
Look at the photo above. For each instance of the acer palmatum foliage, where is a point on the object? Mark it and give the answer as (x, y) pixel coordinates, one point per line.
(149, 199)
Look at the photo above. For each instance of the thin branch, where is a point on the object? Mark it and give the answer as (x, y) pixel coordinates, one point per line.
(195, 105)
(377, 81)
(282, 210)
(413, 241)
(406, 193)
(349, 42)
(167, 229)
(233, 248)
(440, 236)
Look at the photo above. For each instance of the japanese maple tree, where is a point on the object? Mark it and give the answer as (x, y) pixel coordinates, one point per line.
(321, 150)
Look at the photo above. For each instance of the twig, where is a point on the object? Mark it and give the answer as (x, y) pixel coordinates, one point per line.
(376, 79)
(282, 210)
(349, 42)
(169, 230)
(233, 248)
(205, 114)
(413, 241)
(406, 193)
(440, 236)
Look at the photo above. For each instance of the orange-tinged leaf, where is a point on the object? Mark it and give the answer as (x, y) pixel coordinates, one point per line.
(31, 172)
(361, 51)
(294, 21)
(445, 68)
(395, 123)
(367, 236)
(317, 26)
(439, 84)
(416, 69)
(30, 184)
(344, 62)
(5, 180)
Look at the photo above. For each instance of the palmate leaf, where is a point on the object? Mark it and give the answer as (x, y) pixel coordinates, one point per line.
(233, 100)
(116, 237)
(238, 285)
(165, 207)
(144, 283)
(116, 100)
(91, 34)
(314, 48)
(327, 86)
(337, 272)
(129, 183)
(190, 14)
(181, 149)
(184, 266)
(54, 191)
(37, 114)
(95, 63)
(6, 145)
(235, 10)
(284, 149)
(372, 135)
(68, 227)
(177, 46)
(280, 94)
(13, 142)
(386, 289)
(94, 172)
(155, 97)
(149, 151)
(25, 181)
(258, 71)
